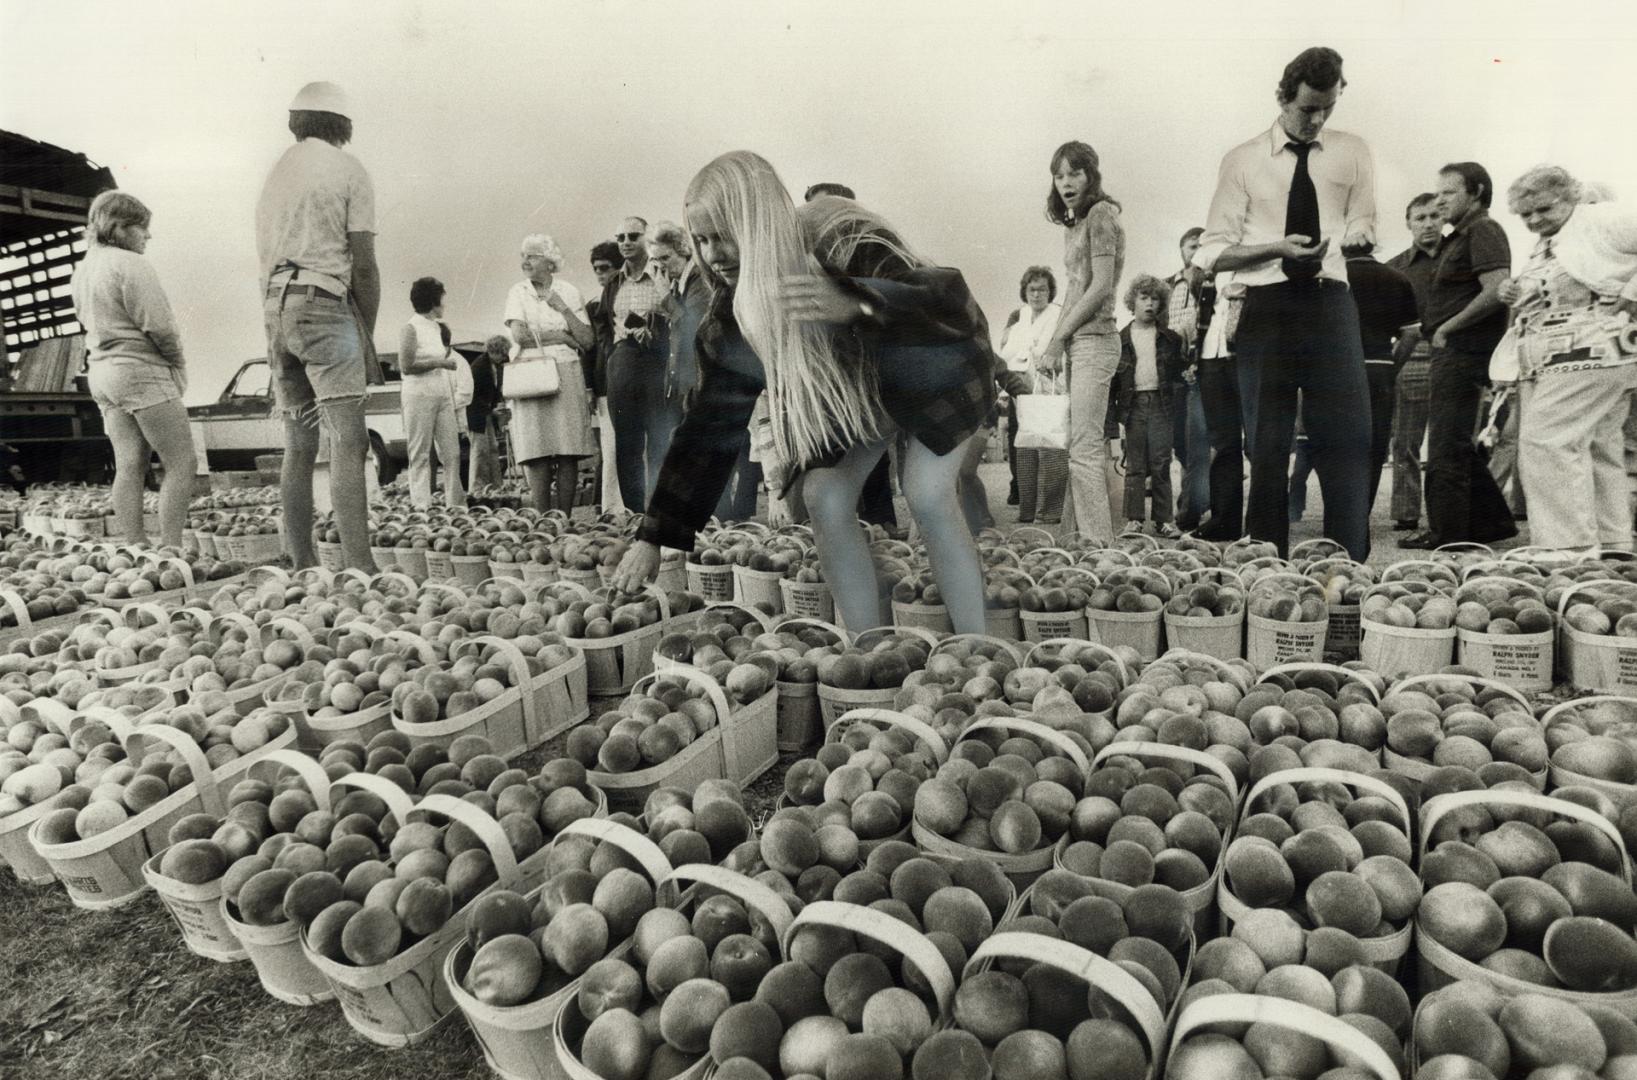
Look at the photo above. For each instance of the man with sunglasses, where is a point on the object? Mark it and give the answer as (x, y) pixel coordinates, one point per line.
(605, 264)
(636, 365)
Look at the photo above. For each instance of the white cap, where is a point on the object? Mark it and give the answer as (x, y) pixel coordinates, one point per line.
(322, 97)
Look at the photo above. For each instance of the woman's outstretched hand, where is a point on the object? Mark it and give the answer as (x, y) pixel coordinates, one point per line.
(638, 568)
(817, 298)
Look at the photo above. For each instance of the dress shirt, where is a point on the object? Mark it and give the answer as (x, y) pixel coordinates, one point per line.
(1253, 192)
(1417, 264)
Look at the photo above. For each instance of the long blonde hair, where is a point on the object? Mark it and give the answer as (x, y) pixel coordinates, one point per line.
(821, 396)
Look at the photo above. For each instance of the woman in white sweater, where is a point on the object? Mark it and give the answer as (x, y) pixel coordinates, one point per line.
(437, 387)
(134, 364)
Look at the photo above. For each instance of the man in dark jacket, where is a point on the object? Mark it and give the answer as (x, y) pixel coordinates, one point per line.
(1386, 310)
(605, 264)
(1150, 374)
(482, 415)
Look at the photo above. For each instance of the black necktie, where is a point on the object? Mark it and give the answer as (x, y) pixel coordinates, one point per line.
(1301, 215)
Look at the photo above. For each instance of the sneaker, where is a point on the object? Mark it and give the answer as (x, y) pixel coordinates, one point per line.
(1168, 531)
(1135, 526)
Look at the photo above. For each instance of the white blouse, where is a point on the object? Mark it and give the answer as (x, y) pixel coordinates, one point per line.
(1029, 336)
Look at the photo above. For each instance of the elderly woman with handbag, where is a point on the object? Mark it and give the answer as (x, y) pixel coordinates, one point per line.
(1572, 321)
(551, 410)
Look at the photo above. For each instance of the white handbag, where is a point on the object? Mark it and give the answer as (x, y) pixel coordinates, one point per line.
(536, 378)
(1042, 419)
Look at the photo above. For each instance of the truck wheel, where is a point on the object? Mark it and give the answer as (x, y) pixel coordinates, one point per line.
(385, 468)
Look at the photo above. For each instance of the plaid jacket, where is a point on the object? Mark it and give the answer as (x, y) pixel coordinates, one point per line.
(930, 345)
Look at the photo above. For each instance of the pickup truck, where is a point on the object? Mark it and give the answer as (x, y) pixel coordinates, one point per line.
(241, 425)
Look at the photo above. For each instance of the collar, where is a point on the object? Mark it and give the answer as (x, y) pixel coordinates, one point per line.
(1416, 251)
(1278, 137)
(1468, 219)
(647, 272)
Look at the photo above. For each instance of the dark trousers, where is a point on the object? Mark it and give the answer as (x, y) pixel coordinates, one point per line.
(644, 420)
(1382, 376)
(1011, 445)
(738, 502)
(1304, 337)
(1227, 388)
(1463, 500)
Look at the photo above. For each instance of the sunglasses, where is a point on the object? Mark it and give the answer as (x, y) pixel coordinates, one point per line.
(628, 236)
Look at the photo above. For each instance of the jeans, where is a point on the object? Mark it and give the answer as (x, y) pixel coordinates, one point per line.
(1192, 443)
(1463, 500)
(645, 418)
(1571, 446)
(1148, 456)
(1409, 431)
(430, 423)
(1304, 337)
(1092, 360)
(1228, 393)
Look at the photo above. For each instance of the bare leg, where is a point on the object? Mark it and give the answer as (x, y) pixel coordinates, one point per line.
(567, 479)
(349, 495)
(931, 487)
(165, 428)
(538, 472)
(831, 495)
(130, 463)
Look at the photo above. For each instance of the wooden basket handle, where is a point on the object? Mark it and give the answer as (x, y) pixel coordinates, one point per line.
(920, 729)
(1194, 757)
(1081, 644)
(1434, 809)
(1009, 648)
(1299, 666)
(311, 772)
(210, 793)
(485, 827)
(1307, 774)
(646, 853)
(1290, 1015)
(1083, 964)
(817, 624)
(883, 928)
(399, 803)
(1477, 680)
(746, 889)
(1058, 739)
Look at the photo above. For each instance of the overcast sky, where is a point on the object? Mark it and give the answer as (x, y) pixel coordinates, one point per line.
(482, 121)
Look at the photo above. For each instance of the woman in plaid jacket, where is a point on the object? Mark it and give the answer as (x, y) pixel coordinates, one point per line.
(856, 339)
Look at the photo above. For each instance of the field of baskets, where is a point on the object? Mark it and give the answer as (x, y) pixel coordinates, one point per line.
(1183, 809)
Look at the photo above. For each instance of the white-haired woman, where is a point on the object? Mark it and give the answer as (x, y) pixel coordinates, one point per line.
(550, 432)
(855, 339)
(1573, 307)
(134, 359)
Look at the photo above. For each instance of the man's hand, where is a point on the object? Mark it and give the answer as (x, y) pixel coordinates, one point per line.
(1440, 339)
(1356, 240)
(638, 568)
(1299, 247)
(1510, 292)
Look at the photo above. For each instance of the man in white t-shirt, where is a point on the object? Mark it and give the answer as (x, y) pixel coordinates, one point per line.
(315, 239)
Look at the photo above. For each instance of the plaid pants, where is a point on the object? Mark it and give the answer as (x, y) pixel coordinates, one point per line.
(1042, 479)
(1409, 429)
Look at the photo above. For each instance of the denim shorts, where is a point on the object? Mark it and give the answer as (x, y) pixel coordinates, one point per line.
(120, 386)
(315, 351)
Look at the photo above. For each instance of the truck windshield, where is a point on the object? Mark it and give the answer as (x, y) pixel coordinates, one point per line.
(252, 381)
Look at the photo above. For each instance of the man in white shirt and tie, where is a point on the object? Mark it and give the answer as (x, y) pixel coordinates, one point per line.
(1286, 203)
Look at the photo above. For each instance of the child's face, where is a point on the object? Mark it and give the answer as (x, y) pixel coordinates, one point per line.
(1147, 309)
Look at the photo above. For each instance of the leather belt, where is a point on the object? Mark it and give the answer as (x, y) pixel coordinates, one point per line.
(303, 290)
